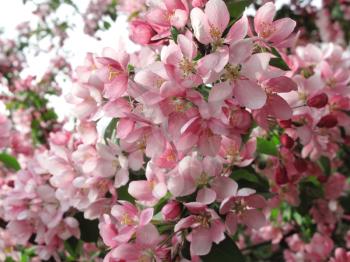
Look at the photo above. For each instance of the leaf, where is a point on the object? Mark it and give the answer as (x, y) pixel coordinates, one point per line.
(123, 194)
(325, 164)
(279, 63)
(310, 189)
(174, 33)
(245, 175)
(110, 129)
(9, 161)
(225, 251)
(267, 147)
(106, 25)
(237, 7)
(88, 228)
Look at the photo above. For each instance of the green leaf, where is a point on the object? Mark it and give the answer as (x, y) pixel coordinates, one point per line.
(106, 25)
(245, 175)
(225, 251)
(174, 33)
(9, 161)
(123, 194)
(325, 164)
(237, 7)
(310, 189)
(88, 228)
(279, 63)
(110, 129)
(9, 259)
(268, 147)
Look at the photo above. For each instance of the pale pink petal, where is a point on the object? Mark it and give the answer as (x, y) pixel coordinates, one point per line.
(187, 46)
(146, 216)
(231, 223)
(147, 235)
(217, 13)
(264, 15)
(217, 231)
(238, 31)
(141, 190)
(200, 26)
(224, 187)
(241, 51)
(279, 107)
(201, 242)
(253, 218)
(249, 94)
(283, 28)
(206, 196)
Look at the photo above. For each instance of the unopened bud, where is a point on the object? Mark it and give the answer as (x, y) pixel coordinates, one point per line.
(328, 121)
(286, 141)
(171, 210)
(318, 101)
(281, 176)
(285, 123)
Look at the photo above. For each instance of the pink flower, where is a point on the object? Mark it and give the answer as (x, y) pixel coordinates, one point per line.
(168, 13)
(128, 219)
(141, 32)
(145, 247)
(319, 248)
(340, 255)
(276, 32)
(113, 72)
(206, 226)
(243, 207)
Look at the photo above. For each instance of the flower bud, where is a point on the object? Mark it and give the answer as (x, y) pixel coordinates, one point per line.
(300, 165)
(141, 32)
(281, 176)
(285, 123)
(286, 141)
(328, 121)
(171, 210)
(318, 101)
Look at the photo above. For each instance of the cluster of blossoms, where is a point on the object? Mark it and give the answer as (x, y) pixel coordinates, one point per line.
(223, 137)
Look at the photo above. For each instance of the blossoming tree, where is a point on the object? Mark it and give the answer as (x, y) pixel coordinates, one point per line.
(227, 140)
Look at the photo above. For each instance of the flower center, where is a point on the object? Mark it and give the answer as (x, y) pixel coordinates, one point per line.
(113, 73)
(126, 220)
(232, 72)
(267, 30)
(203, 220)
(215, 34)
(187, 67)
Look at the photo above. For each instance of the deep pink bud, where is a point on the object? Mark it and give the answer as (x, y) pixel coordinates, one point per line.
(300, 165)
(318, 101)
(328, 121)
(285, 123)
(286, 141)
(141, 32)
(281, 176)
(171, 210)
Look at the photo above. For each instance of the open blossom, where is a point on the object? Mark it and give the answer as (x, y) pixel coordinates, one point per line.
(206, 228)
(277, 31)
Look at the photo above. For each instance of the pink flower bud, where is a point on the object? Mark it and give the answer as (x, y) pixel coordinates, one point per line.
(300, 165)
(328, 121)
(281, 176)
(318, 101)
(285, 123)
(171, 210)
(141, 32)
(286, 141)
(199, 3)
